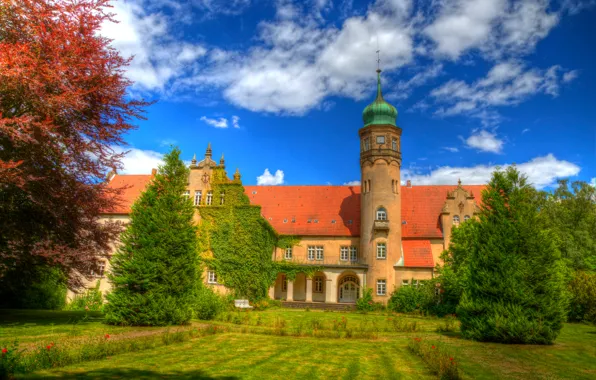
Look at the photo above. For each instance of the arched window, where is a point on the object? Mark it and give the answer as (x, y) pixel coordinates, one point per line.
(381, 214)
(467, 217)
(456, 220)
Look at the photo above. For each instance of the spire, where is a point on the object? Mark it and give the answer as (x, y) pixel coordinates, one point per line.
(221, 160)
(237, 175)
(194, 160)
(379, 91)
(208, 153)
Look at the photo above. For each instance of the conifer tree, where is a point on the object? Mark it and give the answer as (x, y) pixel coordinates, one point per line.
(513, 284)
(155, 273)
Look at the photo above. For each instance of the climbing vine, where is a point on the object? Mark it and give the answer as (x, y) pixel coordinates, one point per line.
(238, 243)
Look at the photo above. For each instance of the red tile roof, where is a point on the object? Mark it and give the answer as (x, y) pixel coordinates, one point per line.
(417, 254)
(421, 207)
(289, 209)
(132, 186)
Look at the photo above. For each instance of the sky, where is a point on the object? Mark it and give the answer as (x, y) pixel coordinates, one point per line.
(279, 86)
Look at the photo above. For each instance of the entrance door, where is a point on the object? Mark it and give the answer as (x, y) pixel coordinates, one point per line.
(348, 292)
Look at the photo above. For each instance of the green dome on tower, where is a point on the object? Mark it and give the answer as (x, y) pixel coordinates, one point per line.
(379, 112)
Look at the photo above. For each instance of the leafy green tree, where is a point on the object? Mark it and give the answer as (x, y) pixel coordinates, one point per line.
(583, 297)
(155, 273)
(514, 288)
(571, 212)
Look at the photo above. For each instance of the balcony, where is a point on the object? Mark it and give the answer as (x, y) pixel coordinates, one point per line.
(334, 261)
(381, 225)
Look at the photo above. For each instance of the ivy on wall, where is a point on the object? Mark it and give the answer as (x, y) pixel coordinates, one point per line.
(238, 243)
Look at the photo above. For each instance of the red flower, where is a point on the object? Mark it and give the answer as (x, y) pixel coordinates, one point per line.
(4, 351)
(49, 347)
(451, 359)
(433, 347)
(107, 336)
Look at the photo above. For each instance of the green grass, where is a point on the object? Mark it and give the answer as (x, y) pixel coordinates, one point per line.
(242, 354)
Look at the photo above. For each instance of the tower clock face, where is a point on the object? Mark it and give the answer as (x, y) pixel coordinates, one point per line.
(380, 140)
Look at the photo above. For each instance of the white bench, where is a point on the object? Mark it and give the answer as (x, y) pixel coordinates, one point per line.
(242, 304)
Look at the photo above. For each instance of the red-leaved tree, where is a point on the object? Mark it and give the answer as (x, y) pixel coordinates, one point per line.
(63, 106)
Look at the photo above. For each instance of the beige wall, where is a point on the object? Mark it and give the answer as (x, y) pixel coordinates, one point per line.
(412, 273)
(331, 250)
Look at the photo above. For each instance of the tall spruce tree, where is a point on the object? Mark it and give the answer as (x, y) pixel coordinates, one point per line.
(514, 289)
(155, 271)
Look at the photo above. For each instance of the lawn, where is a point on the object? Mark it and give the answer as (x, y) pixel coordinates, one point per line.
(285, 343)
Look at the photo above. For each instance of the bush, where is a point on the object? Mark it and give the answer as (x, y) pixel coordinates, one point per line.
(366, 303)
(208, 304)
(36, 287)
(583, 298)
(406, 299)
(91, 300)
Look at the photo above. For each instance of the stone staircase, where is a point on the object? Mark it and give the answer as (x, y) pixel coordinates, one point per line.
(319, 305)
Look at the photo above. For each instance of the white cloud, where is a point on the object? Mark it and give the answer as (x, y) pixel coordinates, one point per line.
(494, 27)
(352, 183)
(593, 182)
(235, 120)
(485, 141)
(226, 7)
(541, 171)
(451, 149)
(158, 56)
(268, 179)
(507, 83)
(570, 76)
(525, 130)
(222, 122)
(138, 161)
(404, 88)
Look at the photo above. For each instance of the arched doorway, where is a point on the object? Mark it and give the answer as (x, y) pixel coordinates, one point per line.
(349, 288)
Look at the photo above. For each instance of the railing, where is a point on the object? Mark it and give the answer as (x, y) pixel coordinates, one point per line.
(327, 260)
(381, 225)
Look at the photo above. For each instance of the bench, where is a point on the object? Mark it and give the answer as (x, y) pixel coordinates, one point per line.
(242, 304)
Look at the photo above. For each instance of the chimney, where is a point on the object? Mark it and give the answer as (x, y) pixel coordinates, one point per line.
(153, 173)
(409, 183)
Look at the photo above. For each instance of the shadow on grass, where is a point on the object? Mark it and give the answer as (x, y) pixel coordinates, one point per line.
(12, 317)
(127, 373)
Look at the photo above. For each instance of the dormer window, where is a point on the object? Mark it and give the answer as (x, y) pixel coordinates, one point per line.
(198, 195)
(456, 220)
(381, 214)
(380, 140)
(209, 198)
(466, 218)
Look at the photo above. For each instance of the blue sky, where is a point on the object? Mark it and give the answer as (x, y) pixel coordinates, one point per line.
(279, 86)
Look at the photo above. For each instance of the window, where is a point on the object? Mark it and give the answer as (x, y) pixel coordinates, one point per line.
(211, 277)
(222, 195)
(318, 282)
(381, 250)
(466, 217)
(394, 144)
(209, 197)
(380, 140)
(284, 283)
(344, 253)
(456, 220)
(319, 253)
(311, 252)
(198, 196)
(381, 214)
(366, 144)
(186, 194)
(415, 283)
(381, 287)
(353, 253)
(405, 282)
(97, 270)
(288, 254)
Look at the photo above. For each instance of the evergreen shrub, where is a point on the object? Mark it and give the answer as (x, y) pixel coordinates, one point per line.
(514, 287)
(366, 303)
(406, 299)
(155, 271)
(208, 304)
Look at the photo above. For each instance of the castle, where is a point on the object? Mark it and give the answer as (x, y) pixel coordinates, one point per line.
(380, 235)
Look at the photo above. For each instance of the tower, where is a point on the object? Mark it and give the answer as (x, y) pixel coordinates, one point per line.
(380, 224)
